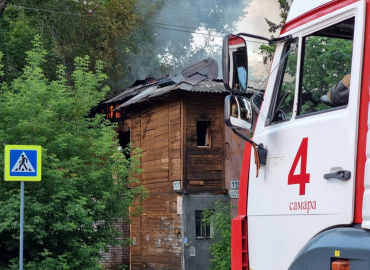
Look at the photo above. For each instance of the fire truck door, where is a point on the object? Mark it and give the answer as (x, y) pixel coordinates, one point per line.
(307, 184)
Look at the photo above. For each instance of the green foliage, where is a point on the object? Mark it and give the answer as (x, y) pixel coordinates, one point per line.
(69, 215)
(268, 51)
(284, 10)
(70, 32)
(133, 38)
(1, 66)
(16, 33)
(220, 220)
(211, 17)
(326, 62)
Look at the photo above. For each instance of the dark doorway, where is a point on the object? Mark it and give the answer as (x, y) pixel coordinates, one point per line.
(124, 138)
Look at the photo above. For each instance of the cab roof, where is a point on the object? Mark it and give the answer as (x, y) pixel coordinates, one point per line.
(299, 7)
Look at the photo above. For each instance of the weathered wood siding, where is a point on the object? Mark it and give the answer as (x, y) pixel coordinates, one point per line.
(203, 166)
(165, 129)
(156, 128)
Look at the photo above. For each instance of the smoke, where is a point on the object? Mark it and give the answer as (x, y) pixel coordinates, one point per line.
(197, 31)
(255, 23)
(209, 20)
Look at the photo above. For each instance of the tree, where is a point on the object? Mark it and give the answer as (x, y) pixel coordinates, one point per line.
(133, 38)
(211, 17)
(220, 220)
(326, 62)
(70, 29)
(268, 50)
(69, 215)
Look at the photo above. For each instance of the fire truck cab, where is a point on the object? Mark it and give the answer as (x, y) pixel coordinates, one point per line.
(307, 206)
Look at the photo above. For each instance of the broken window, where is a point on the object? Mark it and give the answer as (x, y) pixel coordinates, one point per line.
(124, 138)
(204, 133)
(110, 113)
(202, 229)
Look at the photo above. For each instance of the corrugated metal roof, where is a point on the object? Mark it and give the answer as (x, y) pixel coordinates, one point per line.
(133, 91)
(161, 91)
(125, 94)
(210, 86)
(207, 67)
(143, 94)
(193, 80)
(199, 77)
(150, 92)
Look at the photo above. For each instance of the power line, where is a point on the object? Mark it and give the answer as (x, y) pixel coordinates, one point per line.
(154, 24)
(116, 20)
(80, 15)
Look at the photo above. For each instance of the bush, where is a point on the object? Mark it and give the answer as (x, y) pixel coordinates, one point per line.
(220, 219)
(69, 215)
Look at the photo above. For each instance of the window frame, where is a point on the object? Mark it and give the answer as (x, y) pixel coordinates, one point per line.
(209, 133)
(298, 102)
(353, 11)
(204, 227)
(279, 81)
(235, 68)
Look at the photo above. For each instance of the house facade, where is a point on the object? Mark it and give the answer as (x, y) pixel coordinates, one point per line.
(188, 159)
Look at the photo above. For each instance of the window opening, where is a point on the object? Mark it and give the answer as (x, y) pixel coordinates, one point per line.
(283, 99)
(202, 230)
(124, 138)
(240, 76)
(110, 113)
(204, 133)
(326, 68)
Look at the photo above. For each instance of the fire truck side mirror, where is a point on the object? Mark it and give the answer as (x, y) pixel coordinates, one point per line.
(235, 64)
(238, 112)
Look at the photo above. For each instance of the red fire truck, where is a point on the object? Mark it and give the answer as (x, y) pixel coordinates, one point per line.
(304, 198)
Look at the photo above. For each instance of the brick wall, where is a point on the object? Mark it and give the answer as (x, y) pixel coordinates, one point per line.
(118, 255)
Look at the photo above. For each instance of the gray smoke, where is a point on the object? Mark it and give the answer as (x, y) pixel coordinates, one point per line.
(165, 46)
(168, 47)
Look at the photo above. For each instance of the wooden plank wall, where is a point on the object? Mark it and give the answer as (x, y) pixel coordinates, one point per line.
(135, 231)
(204, 166)
(156, 128)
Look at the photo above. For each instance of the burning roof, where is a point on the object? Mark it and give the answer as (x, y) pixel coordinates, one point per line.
(199, 77)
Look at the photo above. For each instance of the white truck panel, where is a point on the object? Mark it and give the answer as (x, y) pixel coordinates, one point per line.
(283, 250)
(299, 7)
(277, 231)
(366, 199)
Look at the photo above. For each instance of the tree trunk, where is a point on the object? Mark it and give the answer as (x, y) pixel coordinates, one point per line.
(2, 7)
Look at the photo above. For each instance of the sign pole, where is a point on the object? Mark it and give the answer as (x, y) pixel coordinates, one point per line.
(21, 228)
(22, 163)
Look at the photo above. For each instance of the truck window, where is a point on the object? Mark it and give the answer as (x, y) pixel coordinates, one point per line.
(240, 76)
(326, 59)
(283, 98)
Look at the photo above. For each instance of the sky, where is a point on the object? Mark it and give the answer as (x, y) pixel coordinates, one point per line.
(253, 23)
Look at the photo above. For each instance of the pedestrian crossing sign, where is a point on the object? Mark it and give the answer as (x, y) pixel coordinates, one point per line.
(22, 163)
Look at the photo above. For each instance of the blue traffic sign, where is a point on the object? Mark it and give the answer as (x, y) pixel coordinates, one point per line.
(22, 163)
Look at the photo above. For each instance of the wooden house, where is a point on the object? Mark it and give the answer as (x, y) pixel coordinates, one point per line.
(178, 123)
